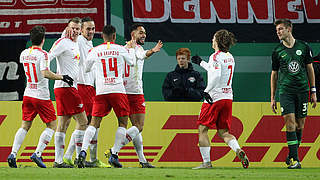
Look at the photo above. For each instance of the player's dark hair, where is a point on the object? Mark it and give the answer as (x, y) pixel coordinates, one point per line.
(286, 22)
(135, 26)
(108, 30)
(37, 34)
(86, 19)
(76, 20)
(225, 40)
(184, 51)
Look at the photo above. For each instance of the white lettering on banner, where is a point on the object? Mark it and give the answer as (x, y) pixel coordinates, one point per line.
(225, 11)
(12, 71)
(19, 16)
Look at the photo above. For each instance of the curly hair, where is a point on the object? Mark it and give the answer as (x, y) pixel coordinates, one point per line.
(225, 39)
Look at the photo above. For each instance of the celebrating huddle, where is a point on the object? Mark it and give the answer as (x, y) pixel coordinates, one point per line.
(79, 66)
(91, 81)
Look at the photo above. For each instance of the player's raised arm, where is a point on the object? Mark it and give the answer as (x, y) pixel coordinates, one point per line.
(155, 49)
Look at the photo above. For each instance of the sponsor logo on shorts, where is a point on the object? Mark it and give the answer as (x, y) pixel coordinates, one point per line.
(143, 104)
(80, 105)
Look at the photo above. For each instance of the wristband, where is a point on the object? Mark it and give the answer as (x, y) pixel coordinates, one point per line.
(313, 89)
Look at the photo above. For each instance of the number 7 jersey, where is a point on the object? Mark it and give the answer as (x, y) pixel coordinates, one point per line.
(220, 73)
(34, 60)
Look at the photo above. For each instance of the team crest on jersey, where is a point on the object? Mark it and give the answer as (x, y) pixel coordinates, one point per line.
(294, 66)
(298, 52)
(192, 79)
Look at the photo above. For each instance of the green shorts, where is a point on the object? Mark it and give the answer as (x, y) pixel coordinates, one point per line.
(294, 103)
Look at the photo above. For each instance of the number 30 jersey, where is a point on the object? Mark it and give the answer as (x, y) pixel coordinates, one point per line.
(220, 72)
(109, 61)
(34, 60)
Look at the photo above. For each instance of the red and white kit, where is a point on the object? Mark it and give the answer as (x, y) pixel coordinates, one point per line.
(36, 98)
(86, 79)
(133, 75)
(67, 54)
(220, 70)
(133, 82)
(108, 60)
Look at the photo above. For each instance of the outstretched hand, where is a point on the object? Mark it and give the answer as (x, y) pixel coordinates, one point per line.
(196, 59)
(157, 47)
(68, 80)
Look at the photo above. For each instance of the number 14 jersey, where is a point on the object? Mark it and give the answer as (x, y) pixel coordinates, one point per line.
(109, 61)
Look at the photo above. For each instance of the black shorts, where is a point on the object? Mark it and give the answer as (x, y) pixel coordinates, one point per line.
(294, 103)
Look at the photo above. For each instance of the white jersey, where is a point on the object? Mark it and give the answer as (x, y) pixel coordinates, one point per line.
(220, 72)
(67, 54)
(34, 61)
(133, 75)
(84, 47)
(109, 59)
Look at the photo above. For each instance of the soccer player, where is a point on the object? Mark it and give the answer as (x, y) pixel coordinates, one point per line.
(36, 98)
(69, 103)
(108, 59)
(292, 70)
(134, 90)
(86, 91)
(217, 107)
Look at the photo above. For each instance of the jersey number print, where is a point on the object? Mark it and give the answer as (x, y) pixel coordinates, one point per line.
(112, 66)
(35, 78)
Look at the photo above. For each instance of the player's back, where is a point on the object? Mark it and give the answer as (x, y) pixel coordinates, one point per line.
(223, 88)
(109, 66)
(35, 60)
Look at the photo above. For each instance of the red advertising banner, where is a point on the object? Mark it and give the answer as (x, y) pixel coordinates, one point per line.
(197, 20)
(17, 17)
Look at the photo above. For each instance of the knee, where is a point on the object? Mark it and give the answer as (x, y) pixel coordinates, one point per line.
(52, 125)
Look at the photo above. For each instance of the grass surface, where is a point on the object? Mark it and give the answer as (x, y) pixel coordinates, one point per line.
(158, 173)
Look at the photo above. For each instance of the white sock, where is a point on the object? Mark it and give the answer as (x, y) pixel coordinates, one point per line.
(137, 142)
(18, 139)
(205, 153)
(71, 147)
(44, 139)
(120, 136)
(233, 144)
(94, 146)
(88, 135)
(78, 138)
(59, 138)
(131, 134)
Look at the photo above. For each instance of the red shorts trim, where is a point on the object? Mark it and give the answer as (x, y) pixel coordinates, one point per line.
(68, 101)
(103, 104)
(87, 94)
(219, 114)
(32, 106)
(136, 103)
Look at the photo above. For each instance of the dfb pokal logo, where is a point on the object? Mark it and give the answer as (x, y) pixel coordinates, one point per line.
(294, 66)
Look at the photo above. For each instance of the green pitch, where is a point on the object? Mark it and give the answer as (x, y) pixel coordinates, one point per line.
(158, 173)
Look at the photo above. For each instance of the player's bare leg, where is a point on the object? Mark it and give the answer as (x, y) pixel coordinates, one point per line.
(138, 121)
(234, 145)
(204, 147)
